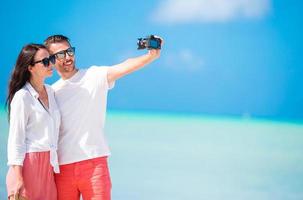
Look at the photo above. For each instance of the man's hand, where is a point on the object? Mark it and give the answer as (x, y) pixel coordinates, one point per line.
(132, 64)
(156, 52)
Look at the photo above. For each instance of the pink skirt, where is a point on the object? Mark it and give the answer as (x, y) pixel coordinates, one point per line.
(38, 177)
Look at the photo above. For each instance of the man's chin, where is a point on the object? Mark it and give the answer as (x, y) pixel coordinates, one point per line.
(69, 68)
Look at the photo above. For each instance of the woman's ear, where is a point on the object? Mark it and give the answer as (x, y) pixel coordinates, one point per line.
(30, 68)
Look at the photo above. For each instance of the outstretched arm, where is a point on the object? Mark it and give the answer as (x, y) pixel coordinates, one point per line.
(132, 64)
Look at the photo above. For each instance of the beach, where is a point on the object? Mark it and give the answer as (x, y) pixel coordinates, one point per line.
(178, 156)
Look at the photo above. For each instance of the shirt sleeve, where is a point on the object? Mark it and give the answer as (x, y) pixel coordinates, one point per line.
(16, 147)
(101, 73)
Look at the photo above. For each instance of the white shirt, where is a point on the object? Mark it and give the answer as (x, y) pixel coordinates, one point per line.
(33, 128)
(82, 102)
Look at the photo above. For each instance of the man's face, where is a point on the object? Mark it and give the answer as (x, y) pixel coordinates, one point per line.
(65, 59)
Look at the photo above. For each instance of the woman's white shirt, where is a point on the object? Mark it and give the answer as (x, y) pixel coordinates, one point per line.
(33, 127)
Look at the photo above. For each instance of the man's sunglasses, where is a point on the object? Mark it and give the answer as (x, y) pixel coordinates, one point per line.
(62, 54)
(46, 61)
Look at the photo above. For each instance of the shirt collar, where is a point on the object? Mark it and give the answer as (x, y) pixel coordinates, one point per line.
(31, 90)
(74, 78)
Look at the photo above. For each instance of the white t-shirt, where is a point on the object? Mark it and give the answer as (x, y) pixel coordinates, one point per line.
(82, 102)
(33, 127)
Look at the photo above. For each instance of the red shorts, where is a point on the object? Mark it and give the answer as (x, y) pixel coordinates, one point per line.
(90, 178)
(38, 177)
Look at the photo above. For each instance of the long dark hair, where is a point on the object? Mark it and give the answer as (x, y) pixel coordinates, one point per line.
(20, 75)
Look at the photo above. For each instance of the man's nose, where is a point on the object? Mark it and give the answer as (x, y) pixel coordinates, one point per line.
(67, 57)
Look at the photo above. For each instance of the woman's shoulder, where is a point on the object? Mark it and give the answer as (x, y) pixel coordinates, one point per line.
(21, 94)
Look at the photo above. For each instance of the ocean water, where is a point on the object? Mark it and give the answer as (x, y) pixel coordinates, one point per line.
(161, 156)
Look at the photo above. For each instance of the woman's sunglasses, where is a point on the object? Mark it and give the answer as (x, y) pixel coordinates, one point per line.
(62, 54)
(46, 61)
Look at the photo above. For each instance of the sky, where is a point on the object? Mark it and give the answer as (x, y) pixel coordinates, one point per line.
(220, 57)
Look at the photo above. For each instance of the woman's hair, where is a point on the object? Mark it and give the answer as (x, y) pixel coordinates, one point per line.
(20, 74)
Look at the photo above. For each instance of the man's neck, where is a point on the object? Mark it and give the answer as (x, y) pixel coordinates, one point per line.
(66, 76)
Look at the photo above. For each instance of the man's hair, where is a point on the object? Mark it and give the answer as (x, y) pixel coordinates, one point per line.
(55, 39)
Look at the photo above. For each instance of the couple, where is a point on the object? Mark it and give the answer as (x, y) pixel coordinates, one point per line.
(56, 144)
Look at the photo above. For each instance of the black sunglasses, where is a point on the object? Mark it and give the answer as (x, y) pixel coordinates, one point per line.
(46, 61)
(62, 54)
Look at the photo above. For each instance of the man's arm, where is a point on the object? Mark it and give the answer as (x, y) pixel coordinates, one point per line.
(132, 64)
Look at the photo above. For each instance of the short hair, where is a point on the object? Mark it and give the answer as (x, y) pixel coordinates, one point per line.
(55, 39)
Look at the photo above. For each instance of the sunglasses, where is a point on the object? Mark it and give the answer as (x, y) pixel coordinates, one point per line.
(62, 54)
(46, 61)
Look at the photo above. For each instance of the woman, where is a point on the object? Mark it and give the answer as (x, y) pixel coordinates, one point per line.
(34, 126)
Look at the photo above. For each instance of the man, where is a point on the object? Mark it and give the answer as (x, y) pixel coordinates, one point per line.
(82, 96)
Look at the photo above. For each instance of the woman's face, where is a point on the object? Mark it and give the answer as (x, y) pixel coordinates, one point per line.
(42, 67)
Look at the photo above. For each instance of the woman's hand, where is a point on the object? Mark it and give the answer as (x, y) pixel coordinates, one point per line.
(19, 187)
(19, 182)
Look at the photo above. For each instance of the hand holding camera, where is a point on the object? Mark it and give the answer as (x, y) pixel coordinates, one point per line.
(150, 42)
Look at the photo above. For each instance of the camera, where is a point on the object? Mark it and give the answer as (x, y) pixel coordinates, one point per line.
(150, 42)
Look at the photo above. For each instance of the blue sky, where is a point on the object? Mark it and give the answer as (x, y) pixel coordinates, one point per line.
(221, 57)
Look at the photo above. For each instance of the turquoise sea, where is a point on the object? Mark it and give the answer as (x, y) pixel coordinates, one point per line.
(163, 156)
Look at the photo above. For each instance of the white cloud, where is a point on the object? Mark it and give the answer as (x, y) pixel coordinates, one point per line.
(184, 60)
(207, 11)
